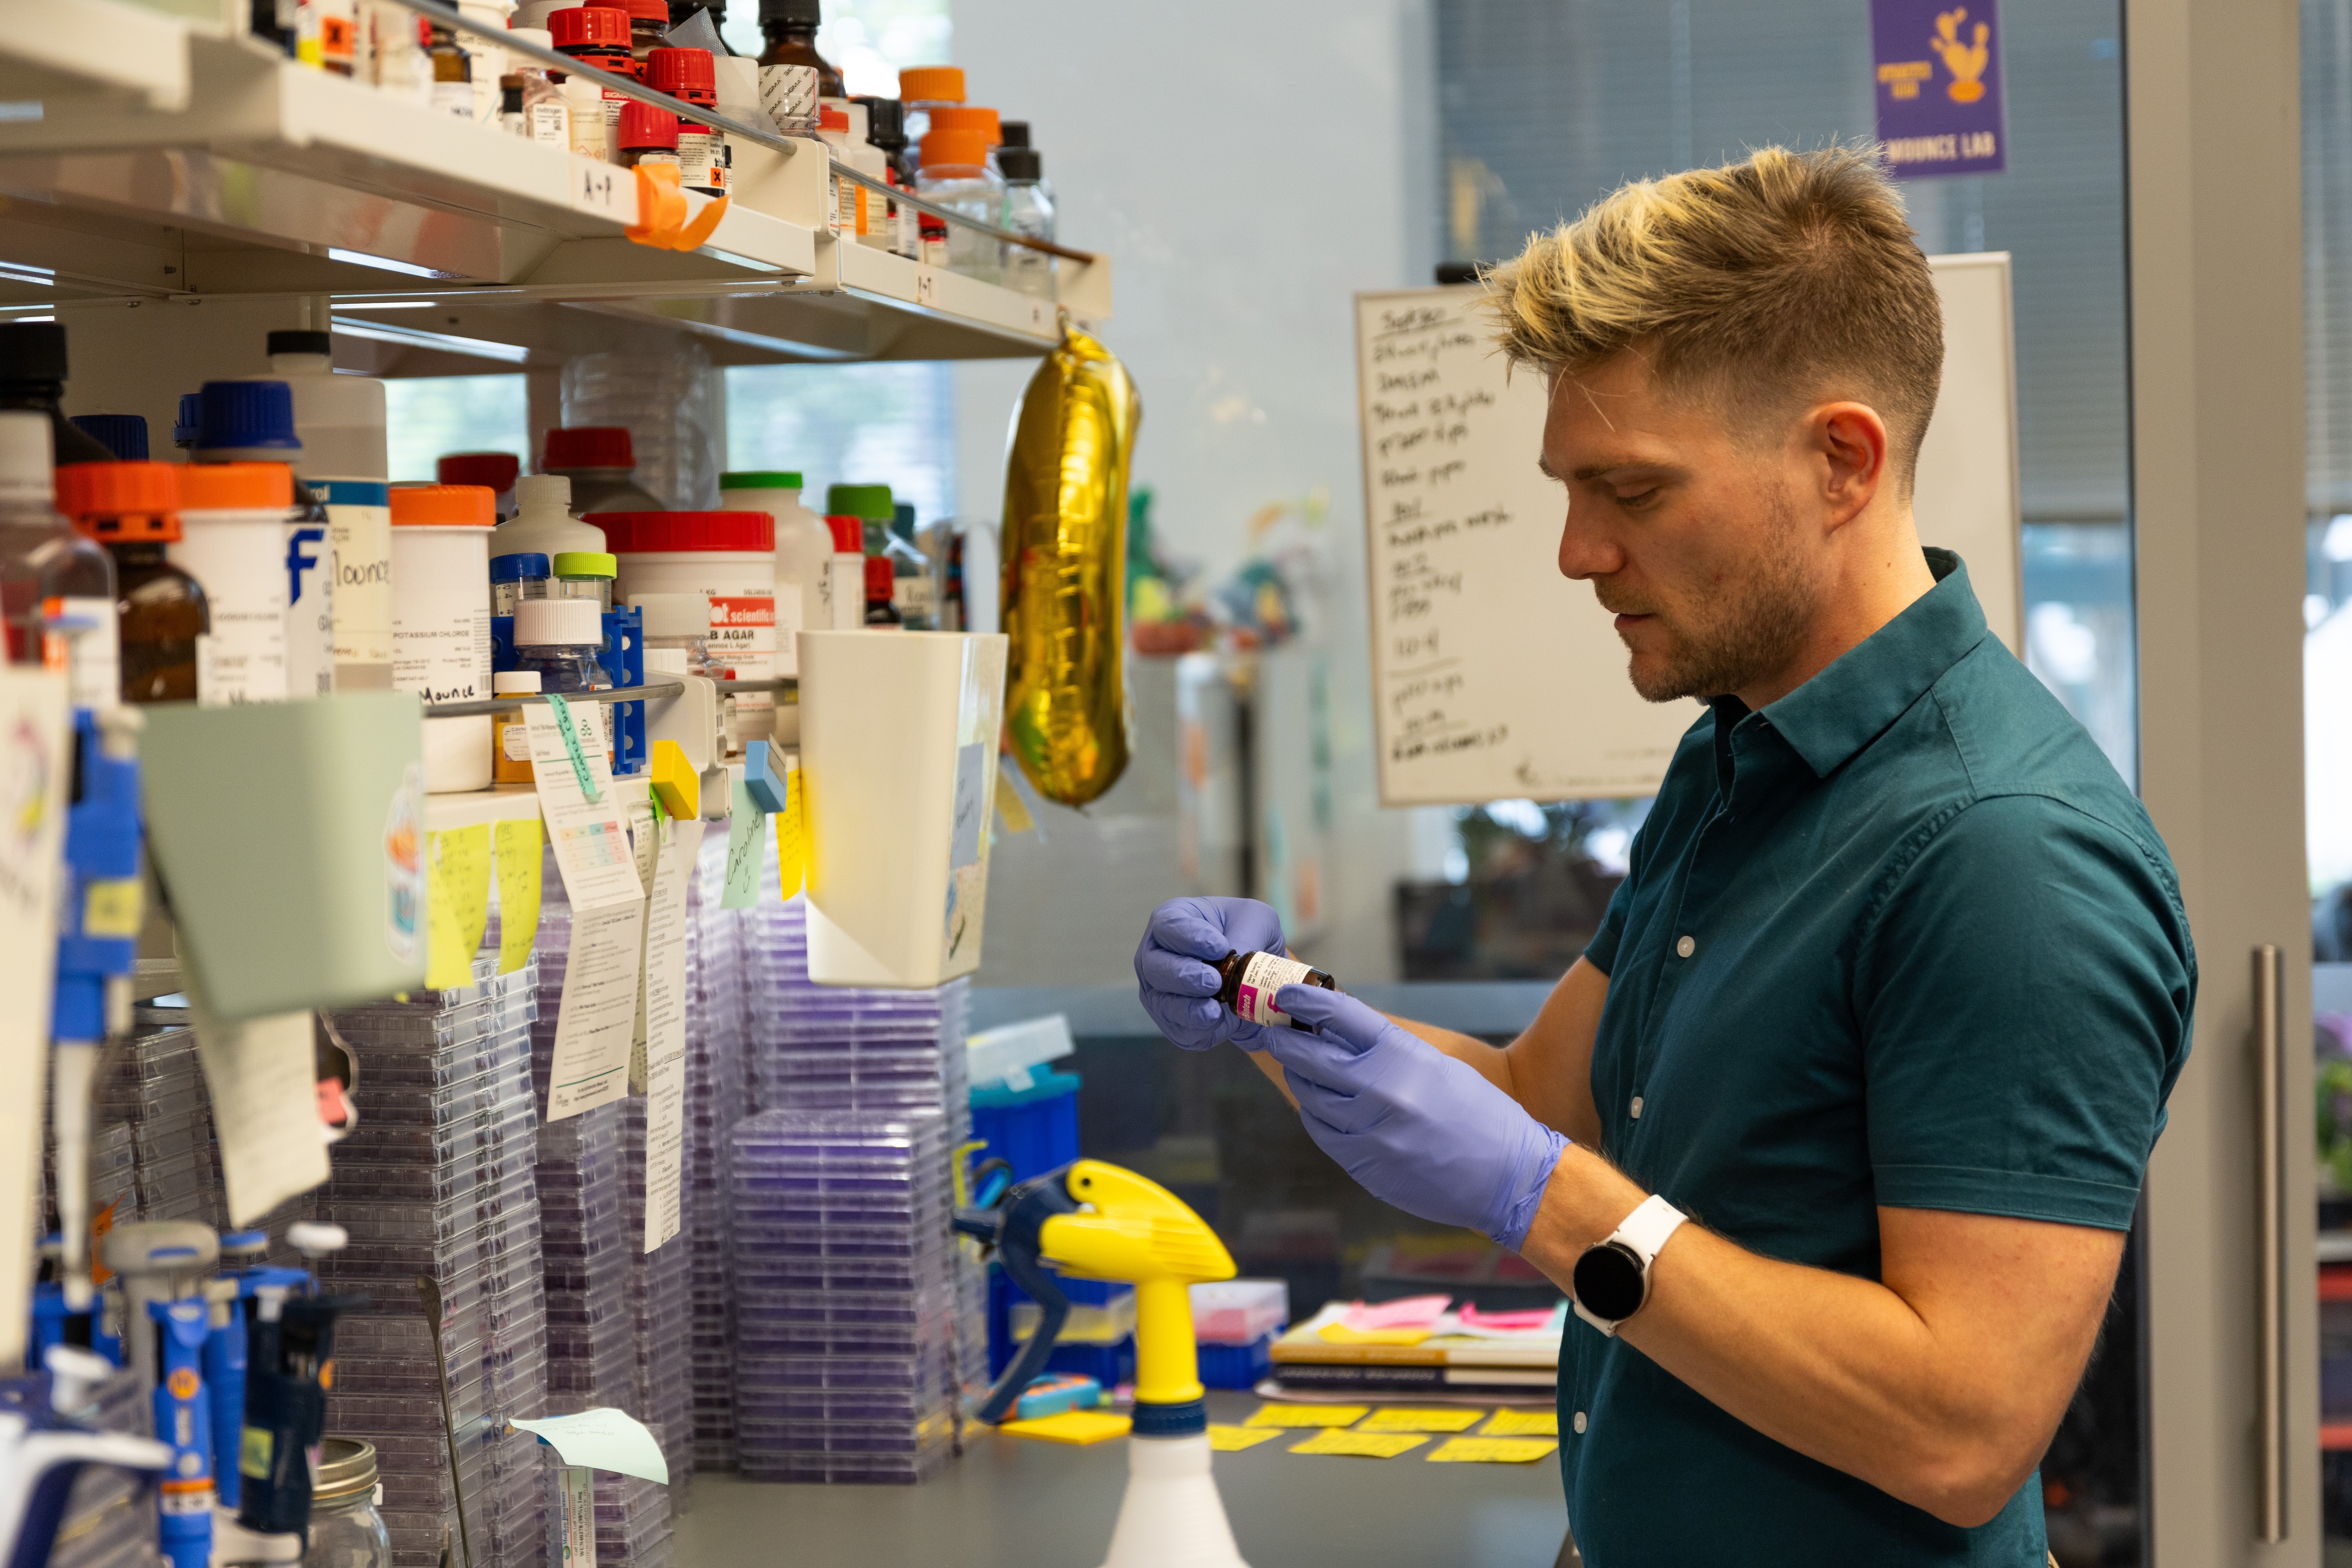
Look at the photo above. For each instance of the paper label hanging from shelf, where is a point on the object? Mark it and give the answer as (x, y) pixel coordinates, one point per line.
(598, 1017)
(603, 1439)
(36, 790)
(457, 875)
(263, 1084)
(519, 846)
(665, 990)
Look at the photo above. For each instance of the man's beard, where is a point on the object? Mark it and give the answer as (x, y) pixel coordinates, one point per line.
(1750, 635)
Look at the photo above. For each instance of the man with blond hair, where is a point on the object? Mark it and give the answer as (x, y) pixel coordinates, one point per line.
(1834, 1132)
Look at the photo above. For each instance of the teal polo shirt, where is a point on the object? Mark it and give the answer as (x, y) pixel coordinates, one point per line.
(1902, 938)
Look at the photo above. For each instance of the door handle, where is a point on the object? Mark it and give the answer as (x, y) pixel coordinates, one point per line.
(2270, 1330)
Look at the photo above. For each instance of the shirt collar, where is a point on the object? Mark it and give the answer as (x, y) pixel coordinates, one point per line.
(1870, 685)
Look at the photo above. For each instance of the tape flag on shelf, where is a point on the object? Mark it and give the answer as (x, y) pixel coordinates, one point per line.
(792, 834)
(457, 901)
(747, 836)
(519, 874)
(667, 218)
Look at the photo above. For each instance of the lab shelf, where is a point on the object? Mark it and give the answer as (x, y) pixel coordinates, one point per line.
(445, 246)
(101, 50)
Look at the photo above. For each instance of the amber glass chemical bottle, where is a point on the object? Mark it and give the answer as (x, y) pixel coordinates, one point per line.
(133, 509)
(789, 28)
(1249, 981)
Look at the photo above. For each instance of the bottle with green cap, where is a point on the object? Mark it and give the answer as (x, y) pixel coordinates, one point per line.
(586, 574)
(803, 550)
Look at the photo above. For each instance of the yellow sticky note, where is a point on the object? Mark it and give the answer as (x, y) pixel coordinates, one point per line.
(1402, 1420)
(791, 859)
(458, 890)
(1341, 1334)
(519, 863)
(1490, 1450)
(1229, 1439)
(1307, 1415)
(1361, 1444)
(1076, 1426)
(1009, 803)
(1523, 1424)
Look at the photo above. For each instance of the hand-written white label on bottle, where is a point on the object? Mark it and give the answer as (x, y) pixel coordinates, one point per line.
(444, 658)
(1262, 976)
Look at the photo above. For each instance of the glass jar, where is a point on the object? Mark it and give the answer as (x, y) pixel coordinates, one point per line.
(515, 578)
(559, 639)
(586, 574)
(346, 1529)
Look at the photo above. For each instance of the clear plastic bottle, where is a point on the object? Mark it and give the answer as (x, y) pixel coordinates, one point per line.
(33, 376)
(559, 638)
(679, 624)
(586, 574)
(913, 581)
(956, 175)
(1028, 210)
(165, 621)
(599, 460)
(922, 89)
(547, 117)
(56, 588)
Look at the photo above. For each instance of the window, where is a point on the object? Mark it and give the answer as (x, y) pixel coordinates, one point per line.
(427, 416)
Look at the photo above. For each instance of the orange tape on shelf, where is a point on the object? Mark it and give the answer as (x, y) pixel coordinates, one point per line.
(662, 212)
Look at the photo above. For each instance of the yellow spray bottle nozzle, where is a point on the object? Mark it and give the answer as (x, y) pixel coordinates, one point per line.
(1136, 1230)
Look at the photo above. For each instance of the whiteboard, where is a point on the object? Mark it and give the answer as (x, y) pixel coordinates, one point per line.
(1495, 677)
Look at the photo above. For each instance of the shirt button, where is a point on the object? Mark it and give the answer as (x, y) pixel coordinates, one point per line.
(1686, 946)
(1637, 1107)
(1579, 1421)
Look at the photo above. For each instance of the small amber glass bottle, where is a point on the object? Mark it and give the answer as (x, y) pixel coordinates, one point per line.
(1249, 981)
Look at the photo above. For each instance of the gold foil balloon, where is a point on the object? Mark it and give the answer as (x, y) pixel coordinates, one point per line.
(1065, 570)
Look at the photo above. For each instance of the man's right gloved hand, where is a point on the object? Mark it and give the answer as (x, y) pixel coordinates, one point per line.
(1176, 967)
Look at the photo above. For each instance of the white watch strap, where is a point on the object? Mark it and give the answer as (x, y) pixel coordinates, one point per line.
(1646, 1229)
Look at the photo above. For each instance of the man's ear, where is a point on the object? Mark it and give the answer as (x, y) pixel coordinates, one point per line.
(1852, 442)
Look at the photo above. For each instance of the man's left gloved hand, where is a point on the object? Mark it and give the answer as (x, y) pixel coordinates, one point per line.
(1415, 1128)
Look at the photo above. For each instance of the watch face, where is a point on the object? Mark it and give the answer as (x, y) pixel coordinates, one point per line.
(1608, 1281)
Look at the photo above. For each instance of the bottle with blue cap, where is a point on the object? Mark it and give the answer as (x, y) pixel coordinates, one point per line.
(124, 435)
(253, 422)
(345, 461)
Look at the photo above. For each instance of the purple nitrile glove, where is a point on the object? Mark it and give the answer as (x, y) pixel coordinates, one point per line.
(1176, 967)
(1412, 1125)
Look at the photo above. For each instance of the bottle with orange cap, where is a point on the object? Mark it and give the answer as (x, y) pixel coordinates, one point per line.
(956, 175)
(922, 89)
(441, 621)
(57, 589)
(165, 620)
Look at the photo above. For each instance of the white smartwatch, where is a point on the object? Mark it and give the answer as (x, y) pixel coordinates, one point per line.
(1611, 1279)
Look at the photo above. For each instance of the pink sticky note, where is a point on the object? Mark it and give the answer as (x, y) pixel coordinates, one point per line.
(1412, 1313)
(1507, 1322)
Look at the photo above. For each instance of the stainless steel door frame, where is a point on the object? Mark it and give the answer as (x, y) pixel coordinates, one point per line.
(2216, 270)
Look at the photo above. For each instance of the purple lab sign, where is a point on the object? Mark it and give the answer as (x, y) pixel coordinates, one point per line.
(1939, 86)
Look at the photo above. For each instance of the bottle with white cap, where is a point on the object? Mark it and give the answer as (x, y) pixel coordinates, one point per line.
(56, 588)
(558, 638)
(345, 461)
(543, 523)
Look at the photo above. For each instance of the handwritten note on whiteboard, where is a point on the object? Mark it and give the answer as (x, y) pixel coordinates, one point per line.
(1497, 678)
(1494, 676)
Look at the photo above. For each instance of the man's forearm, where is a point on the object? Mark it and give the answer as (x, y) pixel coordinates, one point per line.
(1840, 1368)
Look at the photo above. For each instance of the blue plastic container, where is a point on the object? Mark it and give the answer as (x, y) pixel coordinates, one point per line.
(1036, 1129)
(1236, 1365)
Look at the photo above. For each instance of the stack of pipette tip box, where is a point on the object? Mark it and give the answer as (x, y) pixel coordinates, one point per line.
(845, 1296)
(660, 1309)
(852, 1048)
(109, 1517)
(152, 1151)
(718, 1058)
(584, 1235)
(437, 1179)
